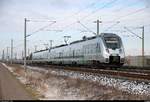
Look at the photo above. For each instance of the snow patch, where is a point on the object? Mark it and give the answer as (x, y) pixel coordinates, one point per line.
(132, 87)
(9, 68)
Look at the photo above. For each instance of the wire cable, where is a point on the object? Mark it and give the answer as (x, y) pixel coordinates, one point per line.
(112, 26)
(79, 11)
(132, 13)
(133, 33)
(86, 27)
(129, 14)
(107, 4)
(40, 29)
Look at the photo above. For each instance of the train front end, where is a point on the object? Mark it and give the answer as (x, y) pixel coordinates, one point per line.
(113, 51)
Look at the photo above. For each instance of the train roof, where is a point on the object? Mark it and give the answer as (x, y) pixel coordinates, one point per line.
(60, 45)
(40, 51)
(93, 37)
(77, 41)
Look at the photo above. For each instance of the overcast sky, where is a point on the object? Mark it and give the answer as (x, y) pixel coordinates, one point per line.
(66, 13)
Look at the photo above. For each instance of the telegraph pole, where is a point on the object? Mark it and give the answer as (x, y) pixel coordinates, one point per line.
(25, 22)
(25, 36)
(22, 55)
(35, 48)
(66, 38)
(97, 27)
(3, 56)
(11, 50)
(143, 46)
(51, 41)
(98, 21)
(7, 54)
(142, 38)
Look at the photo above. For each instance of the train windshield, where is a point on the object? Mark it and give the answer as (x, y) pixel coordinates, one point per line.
(112, 42)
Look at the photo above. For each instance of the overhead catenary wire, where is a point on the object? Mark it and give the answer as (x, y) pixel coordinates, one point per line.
(132, 13)
(112, 26)
(36, 30)
(79, 11)
(129, 14)
(40, 20)
(69, 25)
(129, 5)
(75, 14)
(21, 44)
(42, 28)
(86, 27)
(133, 33)
(107, 4)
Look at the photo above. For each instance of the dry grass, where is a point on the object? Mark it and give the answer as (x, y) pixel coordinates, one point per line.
(39, 83)
(35, 80)
(81, 89)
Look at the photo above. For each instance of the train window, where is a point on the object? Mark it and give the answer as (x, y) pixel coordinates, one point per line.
(78, 52)
(94, 49)
(112, 42)
(88, 49)
(91, 51)
(85, 50)
(73, 53)
(59, 54)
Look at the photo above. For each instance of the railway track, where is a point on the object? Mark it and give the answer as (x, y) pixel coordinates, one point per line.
(133, 74)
